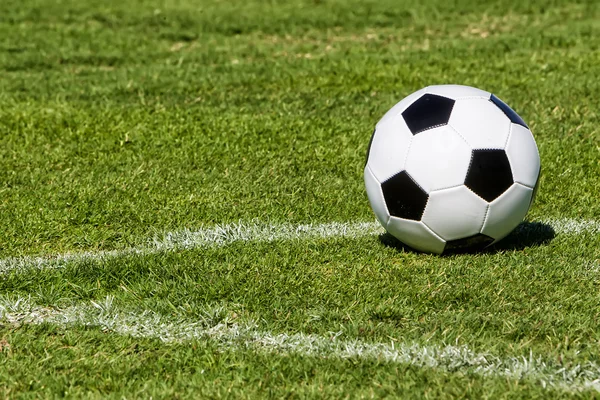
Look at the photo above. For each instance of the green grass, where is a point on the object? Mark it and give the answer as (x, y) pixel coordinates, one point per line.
(97, 364)
(129, 119)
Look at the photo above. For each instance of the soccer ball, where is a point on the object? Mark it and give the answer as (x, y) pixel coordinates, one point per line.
(451, 168)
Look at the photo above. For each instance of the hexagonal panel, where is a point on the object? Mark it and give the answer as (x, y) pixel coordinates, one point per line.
(471, 243)
(457, 92)
(522, 153)
(454, 213)
(481, 123)
(428, 112)
(389, 145)
(438, 158)
(375, 195)
(507, 211)
(416, 235)
(403, 197)
(509, 112)
(489, 173)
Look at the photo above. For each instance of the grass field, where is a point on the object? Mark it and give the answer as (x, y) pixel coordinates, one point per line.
(182, 210)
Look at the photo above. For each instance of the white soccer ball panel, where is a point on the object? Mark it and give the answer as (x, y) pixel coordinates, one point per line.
(481, 123)
(438, 158)
(389, 147)
(375, 196)
(507, 211)
(457, 91)
(455, 213)
(399, 107)
(523, 155)
(416, 235)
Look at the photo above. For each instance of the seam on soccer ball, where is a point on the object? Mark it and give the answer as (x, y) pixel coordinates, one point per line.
(407, 153)
(387, 221)
(434, 233)
(472, 98)
(448, 187)
(424, 208)
(476, 193)
(487, 210)
(463, 138)
(430, 128)
(468, 169)
(539, 175)
(417, 183)
(524, 185)
(510, 130)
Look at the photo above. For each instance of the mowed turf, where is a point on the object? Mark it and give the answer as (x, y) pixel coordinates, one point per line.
(123, 121)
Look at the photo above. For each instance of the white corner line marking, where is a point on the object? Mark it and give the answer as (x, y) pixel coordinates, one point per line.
(222, 235)
(215, 325)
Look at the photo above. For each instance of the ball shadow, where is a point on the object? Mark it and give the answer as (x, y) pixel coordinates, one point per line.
(527, 234)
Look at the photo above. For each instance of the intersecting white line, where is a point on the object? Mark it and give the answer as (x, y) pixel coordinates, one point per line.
(222, 235)
(217, 326)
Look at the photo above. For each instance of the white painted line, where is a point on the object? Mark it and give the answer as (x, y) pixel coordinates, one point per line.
(574, 226)
(222, 235)
(216, 326)
(217, 236)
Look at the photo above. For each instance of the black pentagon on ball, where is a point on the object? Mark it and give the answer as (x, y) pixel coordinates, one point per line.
(509, 112)
(489, 173)
(471, 243)
(404, 198)
(428, 112)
